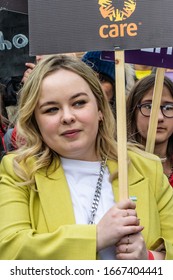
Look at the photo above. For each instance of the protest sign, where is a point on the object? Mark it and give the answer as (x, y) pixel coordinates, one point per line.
(66, 26)
(14, 43)
(157, 57)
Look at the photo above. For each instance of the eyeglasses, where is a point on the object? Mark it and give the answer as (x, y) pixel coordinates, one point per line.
(167, 109)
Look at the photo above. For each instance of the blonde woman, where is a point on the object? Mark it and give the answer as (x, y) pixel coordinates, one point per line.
(56, 197)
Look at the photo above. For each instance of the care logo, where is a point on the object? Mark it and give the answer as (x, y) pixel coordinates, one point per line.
(117, 10)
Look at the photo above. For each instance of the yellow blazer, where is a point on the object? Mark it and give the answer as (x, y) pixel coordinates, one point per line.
(41, 225)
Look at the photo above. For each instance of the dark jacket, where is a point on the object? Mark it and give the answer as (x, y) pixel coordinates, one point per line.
(12, 87)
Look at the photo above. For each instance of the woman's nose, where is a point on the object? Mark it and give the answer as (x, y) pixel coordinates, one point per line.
(67, 116)
(160, 115)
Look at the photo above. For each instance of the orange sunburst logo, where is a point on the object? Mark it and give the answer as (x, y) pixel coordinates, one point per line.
(111, 11)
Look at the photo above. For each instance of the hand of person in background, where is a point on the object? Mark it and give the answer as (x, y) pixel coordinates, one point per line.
(28, 71)
(30, 67)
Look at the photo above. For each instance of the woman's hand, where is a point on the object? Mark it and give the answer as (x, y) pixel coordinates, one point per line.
(132, 247)
(120, 221)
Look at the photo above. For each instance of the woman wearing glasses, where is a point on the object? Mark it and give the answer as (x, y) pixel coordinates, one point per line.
(139, 104)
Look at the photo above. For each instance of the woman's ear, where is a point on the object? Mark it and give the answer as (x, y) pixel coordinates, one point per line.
(100, 116)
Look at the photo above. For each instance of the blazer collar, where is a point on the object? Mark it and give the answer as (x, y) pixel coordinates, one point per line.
(133, 174)
(55, 173)
(55, 195)
(55, 198)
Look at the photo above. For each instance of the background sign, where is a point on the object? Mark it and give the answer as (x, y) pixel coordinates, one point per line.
(57, 26)
(157, 57)
(14, 43)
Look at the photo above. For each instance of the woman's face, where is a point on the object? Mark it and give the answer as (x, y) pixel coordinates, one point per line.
(67, 115)
(165, 125)
(108, 89)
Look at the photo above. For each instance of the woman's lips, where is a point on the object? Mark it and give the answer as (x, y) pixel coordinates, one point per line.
(70, 133)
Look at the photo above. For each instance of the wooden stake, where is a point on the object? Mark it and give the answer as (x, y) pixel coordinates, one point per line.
(157, 94)
(121, 125)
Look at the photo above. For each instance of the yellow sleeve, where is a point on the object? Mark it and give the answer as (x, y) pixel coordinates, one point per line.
(20, 241)
(164, 198)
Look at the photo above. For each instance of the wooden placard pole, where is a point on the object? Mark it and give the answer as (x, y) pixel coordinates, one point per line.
(121, 125)
(157, 94)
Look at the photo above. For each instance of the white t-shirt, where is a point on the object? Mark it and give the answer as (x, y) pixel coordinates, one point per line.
(82, 177)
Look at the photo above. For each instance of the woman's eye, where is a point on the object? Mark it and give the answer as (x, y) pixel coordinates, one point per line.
(79, 103)
(52, 110)
(168, 107)
(147, 106)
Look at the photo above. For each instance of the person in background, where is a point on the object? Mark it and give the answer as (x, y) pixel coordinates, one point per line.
(142, 71)
(4, 124)
(59, 190)
(30, 66)
(139, 104)
(169, 74)
(2, 150)
(12, 86)
(106, 74)
(2, 105)
(3, 128)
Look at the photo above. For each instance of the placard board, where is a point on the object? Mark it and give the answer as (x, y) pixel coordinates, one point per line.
(57, 26)
(157, 57)
(14, 43)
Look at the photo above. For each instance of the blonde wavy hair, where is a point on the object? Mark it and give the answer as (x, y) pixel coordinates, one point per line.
(34, 146)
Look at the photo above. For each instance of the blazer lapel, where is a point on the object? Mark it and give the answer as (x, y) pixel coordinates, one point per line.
(139, 188)
(55, 198)
(56, 201)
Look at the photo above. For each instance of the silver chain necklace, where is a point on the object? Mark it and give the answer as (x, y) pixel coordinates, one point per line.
(97, 193)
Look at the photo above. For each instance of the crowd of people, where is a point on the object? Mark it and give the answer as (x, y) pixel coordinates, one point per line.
(59, 165)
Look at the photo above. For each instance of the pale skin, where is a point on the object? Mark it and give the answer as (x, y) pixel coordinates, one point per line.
(108, 89)
(164, 127)
(68, 118)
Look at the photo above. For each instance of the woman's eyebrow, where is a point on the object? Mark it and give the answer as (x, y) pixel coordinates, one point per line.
(78, 95)
(47, 103)
(146, 100)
